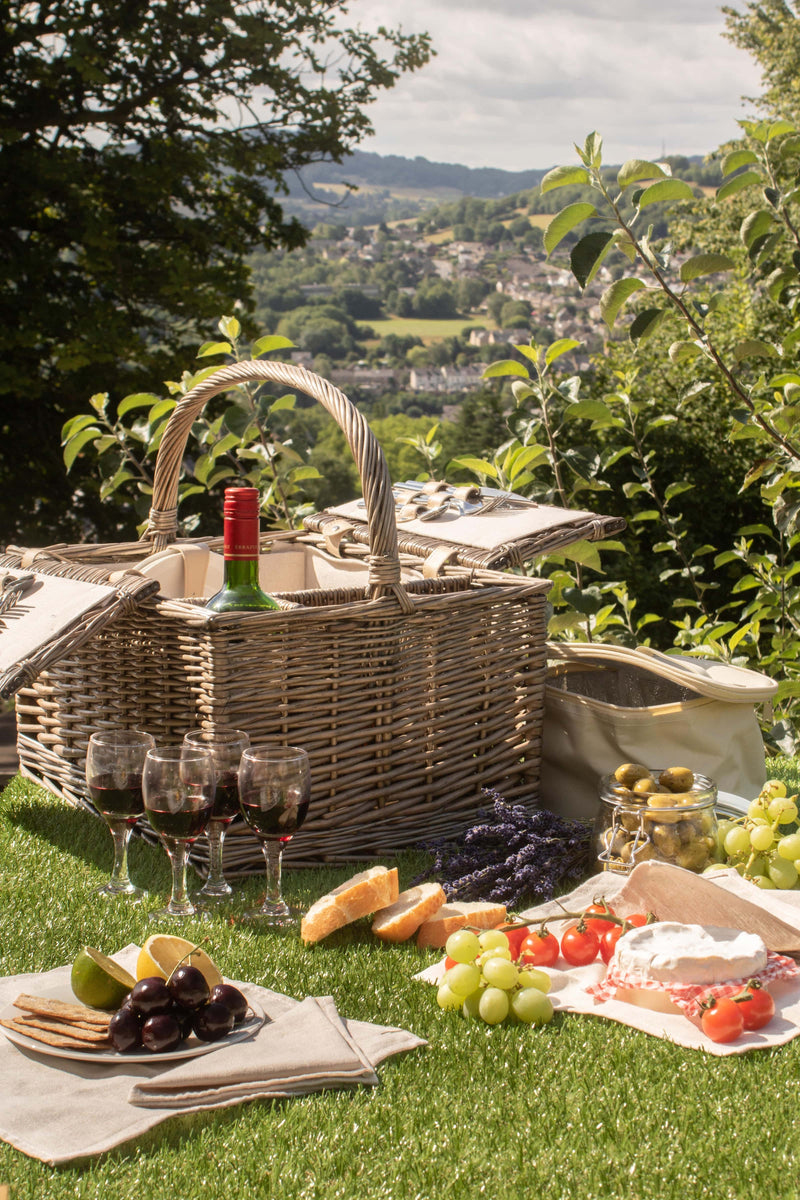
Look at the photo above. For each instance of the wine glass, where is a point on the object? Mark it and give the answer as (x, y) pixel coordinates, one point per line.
(178, 783)
(114, 763)
(274, 791)
(226, 746)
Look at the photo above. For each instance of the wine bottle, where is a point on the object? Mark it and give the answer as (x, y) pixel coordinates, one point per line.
(240, 589)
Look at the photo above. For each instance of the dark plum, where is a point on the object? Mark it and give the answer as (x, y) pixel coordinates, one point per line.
(151, 996)
(125, 1030)
(213, 1021)
(232, 998)
(188, 987)
(161, 1033)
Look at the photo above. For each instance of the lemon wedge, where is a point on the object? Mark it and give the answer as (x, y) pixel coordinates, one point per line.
(162, 952)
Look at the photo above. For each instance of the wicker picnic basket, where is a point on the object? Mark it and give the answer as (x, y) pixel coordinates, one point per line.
(412, 690)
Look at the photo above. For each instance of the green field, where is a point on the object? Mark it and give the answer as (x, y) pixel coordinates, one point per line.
(427, 330)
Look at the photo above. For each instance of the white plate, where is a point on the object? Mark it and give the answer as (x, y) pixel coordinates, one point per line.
(730, 803)
(191, 1048)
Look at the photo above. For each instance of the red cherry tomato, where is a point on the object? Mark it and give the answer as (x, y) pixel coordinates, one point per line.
(608, 942)
(516, 935)
(539, 950)
(637, 919)
(579, 945)
(449, 962)
(598, 926)
(756, 1006)
(722, 1021)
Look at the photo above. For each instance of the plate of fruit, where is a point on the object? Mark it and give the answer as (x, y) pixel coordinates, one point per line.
(106, 1015)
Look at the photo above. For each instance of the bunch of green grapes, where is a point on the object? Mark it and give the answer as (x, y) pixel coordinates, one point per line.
(763, 845)
(483, 982)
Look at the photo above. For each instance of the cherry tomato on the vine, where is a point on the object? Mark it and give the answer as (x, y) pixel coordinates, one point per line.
(516, 935)
(593, 913)
(540, 949)
(449, 962)
(579, 945)
(608, 942)
(721, 1020)
(637, 919)
(756, 1006)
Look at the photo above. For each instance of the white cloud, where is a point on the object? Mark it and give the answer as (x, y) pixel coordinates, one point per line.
(516, 82)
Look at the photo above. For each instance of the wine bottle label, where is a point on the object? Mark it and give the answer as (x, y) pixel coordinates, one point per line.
(240, 538)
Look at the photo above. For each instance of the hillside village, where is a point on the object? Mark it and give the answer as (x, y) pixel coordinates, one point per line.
(403, 272)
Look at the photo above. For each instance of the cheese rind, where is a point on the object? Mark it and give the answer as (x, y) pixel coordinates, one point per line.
(669, 952)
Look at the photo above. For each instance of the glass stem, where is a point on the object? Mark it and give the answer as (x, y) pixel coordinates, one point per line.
(121, 835)
(273, 854)
(177, 851)
(215, 834)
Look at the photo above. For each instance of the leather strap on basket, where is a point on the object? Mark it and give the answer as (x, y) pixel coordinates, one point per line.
(383, 561)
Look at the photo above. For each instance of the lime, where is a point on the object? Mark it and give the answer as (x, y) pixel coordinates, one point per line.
(162, 952)
(98, 981)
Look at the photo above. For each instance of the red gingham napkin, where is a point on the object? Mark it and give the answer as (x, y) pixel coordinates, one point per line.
(686, 995)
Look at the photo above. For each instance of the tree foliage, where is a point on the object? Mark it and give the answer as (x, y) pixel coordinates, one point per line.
(144, 147)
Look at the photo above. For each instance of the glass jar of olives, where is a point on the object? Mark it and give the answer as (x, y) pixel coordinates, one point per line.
(666, 814)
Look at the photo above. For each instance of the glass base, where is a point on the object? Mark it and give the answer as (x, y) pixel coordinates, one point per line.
(113, 891)
(214, 893)
(274, 914)
(178, 914)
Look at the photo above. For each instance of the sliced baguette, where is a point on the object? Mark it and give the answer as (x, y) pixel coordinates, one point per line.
(456, 915)
(402, 919)
(365, 893)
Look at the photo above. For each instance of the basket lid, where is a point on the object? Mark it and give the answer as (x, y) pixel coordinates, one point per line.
(472, 526)
(49, 609)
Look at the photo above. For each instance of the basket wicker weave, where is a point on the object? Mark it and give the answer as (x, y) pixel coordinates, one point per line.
(411, 695)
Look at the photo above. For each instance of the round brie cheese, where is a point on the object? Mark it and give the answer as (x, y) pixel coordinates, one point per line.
(668, 952)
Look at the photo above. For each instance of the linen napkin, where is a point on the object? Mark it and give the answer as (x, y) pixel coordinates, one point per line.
(676, 895)
(58, 1109)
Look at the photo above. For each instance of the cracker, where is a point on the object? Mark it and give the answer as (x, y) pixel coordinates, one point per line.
(41, 1007)
(66, 1028)
(51, 1039)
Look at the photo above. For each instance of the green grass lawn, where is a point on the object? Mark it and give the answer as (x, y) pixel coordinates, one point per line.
(579, 1109)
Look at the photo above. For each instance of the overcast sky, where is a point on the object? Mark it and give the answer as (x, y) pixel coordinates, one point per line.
(516, 82)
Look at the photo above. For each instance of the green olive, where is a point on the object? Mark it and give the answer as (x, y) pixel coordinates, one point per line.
(641, 853)
(644, 786)
(694, 856)
(663, 803)
(630, 820)
(665, 840)
(677, 779)
(628, 774)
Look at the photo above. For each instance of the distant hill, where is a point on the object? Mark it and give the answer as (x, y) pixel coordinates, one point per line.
(392, 171)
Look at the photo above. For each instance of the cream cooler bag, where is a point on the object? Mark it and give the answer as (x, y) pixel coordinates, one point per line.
(605, 705)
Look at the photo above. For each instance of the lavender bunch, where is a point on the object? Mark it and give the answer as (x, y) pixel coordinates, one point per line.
(512, 854)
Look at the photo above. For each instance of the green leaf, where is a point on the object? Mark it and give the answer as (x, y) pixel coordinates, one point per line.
(229, 327)
(202, 468)
(587, 256)
(226, 472)
(524, 458)
(683, 351)
(778, 128)
(479, 465)
(647, 514)
(561, 177)
(532, 353)
(265, 345)
(646, 323)
(675, 489)
(99, 402)
(209, 348)
(738, 184)
(665, 190)
(592, 149)
(637, 169)
(75, 425)
(565, 221)
(76, 444)
(109, 486)
(616, 296)
(305, 472)
(104, 443)
(591, 410)
(283, 403)
(583, 552)
(161, 409)
(556, 349)
(506, 366)
(138, 400)
(754, 348)
(756, 225)
(736, 159)
(237, 419)
(778, 281)
(705, 264)
(229, 442)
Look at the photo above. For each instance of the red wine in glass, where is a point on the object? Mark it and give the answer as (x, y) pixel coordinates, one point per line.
(226, 746)
(226, 801)
(275, 790)
(185, 823)
(117, 803)
(276, 812)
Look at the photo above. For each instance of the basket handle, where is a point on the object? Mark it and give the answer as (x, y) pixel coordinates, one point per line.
(383, 561)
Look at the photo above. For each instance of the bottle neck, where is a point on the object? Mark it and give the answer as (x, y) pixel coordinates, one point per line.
(241, 572)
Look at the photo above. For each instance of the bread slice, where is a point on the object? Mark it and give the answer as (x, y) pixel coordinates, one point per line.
(456, 915)
(403, 918)
(365, 893)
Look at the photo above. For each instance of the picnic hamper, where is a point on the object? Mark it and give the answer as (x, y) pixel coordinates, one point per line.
(412, 686)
